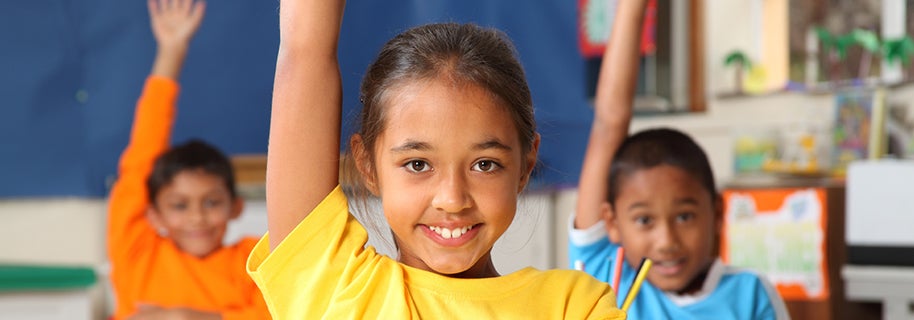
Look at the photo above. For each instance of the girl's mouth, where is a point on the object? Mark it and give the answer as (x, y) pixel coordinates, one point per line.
(451, 237)
(450, 233)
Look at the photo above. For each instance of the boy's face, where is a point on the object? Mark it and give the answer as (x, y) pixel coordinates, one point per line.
(194, 210)
(666, 215)
(448, 166)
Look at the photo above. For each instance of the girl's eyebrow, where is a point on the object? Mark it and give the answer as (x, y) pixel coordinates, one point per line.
(491, 144)
(411, 145)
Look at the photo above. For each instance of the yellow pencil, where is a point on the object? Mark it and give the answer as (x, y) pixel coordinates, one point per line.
(636, 285)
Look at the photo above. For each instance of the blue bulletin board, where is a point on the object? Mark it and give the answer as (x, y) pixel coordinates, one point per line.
(71, 71)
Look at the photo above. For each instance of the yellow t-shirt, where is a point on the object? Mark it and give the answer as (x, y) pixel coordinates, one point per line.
(323, 271)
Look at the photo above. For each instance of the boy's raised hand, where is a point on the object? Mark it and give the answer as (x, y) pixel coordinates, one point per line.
(174, 22)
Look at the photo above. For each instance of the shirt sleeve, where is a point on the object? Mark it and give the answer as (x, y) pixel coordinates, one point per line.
(773, 305)
(590, 249)
(318, 258)
(128, 229)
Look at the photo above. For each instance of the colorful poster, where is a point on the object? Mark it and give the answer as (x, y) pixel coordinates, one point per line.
(595, 23)
(781, 234)
(856, 112)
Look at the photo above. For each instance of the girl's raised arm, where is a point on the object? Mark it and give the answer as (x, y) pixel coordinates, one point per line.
(303, 155)
(612, 110)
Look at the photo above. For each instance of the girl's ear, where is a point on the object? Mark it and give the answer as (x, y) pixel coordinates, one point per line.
(362, 162)
(612, 224)
(529, 162)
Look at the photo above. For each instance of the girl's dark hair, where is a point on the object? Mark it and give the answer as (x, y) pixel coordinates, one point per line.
(654, 147)
(192, 155)
(462, 53)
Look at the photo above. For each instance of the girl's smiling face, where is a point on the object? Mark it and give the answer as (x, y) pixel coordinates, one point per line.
(448, 168)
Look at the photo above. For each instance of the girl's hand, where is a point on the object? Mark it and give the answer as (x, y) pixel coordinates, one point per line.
(174, 22)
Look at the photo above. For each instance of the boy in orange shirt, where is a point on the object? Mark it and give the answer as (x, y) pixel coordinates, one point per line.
(169, 209)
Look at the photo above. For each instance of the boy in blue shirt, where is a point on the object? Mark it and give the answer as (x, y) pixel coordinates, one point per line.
(654, 194)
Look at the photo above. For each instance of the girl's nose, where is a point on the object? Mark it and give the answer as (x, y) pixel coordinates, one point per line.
(451, 195)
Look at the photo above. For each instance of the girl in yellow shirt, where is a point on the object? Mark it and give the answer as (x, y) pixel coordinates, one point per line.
(447, 142)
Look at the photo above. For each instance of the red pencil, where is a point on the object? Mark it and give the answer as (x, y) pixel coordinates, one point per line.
(617, 269)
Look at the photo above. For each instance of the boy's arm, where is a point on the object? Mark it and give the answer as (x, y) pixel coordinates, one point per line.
(149, 137)
(612, 110)
(256, 311)
(153, 312)
(151, 131)
(303, 153)
(173, 25)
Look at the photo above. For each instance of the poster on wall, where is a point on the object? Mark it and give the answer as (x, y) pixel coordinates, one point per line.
(853, 110)
(595, 21)
(779, 233)
(859, 127)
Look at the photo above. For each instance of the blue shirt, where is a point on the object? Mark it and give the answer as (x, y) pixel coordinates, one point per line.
(727, 293)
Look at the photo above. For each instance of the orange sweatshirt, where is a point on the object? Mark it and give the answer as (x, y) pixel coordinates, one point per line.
(147, 268)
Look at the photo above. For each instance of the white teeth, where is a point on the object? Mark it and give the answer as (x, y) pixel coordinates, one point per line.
(448, 233)
(667, 263)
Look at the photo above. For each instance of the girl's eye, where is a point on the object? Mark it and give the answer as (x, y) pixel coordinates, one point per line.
(485, 166)
(417, 166)
(643, 221)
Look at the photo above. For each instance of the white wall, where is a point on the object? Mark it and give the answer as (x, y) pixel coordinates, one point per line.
(59, 231)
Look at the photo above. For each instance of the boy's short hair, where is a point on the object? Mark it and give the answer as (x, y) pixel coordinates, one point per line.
(192, 155)
(654, 147)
